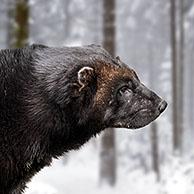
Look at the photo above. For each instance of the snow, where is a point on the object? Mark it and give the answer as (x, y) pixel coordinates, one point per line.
(179, 176)
(80, 175)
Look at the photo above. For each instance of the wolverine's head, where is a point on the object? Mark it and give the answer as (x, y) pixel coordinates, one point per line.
(119, 99)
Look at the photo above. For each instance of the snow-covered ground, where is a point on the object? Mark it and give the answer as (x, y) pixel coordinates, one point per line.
(80, 175)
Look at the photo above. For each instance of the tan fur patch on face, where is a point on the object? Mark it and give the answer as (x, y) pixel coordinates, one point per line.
(108, 74)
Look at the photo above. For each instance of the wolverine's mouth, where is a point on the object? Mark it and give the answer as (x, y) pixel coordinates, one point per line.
(143, 118)
(139, 119)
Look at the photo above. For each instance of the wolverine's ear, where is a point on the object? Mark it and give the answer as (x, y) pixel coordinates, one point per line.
(85, 76)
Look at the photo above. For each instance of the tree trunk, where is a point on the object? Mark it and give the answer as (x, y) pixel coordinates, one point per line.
(108, 153)
(21, 30)
(192, 93)
(177, 48)
(109, 26)
(173, 28)
(154, 127)
(190, 77)
(155, 150)
(107, 158)
(10, 23)
(181, 75)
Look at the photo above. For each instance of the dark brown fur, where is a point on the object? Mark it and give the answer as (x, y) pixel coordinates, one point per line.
(53, 100)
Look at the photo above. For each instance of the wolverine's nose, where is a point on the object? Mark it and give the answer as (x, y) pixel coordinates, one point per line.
(162, 106)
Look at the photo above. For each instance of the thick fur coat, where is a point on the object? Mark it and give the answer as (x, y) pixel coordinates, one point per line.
(53, 100)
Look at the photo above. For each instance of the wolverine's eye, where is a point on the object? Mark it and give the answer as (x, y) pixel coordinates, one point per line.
(124, 93)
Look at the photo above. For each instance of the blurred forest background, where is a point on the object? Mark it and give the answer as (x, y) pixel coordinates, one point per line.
(156, 38)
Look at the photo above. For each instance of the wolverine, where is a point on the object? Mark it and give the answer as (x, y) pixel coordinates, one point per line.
(53, 100)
